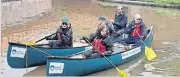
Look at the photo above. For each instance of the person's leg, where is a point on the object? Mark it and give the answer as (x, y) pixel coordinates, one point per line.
(124, 41)
(50, 43)
(130, 41)
(95, 55)
(56, 44)
(88, 53)
(138, 42)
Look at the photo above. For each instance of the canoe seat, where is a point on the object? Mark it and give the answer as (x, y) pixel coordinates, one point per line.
(117, 47)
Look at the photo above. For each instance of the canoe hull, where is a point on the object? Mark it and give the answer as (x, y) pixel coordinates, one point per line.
(84, 67)
(16, 55)
(78, 67)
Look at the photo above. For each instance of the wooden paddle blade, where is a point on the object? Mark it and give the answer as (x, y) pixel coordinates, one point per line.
(122, 73)
(30, 43)
(150, 54)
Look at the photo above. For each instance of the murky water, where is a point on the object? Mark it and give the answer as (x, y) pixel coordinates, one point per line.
(83, 14)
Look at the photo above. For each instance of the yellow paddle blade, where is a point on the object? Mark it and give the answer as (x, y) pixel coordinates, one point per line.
(121, 72)
(30, 43)
(150, 54)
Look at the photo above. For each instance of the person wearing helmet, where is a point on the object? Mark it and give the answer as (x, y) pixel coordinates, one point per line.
(63, 37)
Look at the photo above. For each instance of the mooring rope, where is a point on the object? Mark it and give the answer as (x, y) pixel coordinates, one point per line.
(40, 50)
(27, 54)
(26, 59)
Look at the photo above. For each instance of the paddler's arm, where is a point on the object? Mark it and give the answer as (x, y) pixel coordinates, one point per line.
(109, 44)
(90, 38)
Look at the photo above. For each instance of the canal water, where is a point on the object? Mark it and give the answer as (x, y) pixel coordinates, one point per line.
(83, 15)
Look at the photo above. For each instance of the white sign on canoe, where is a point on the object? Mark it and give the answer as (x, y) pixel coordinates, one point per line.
(56, 68)
(131, 52)
(18, 52)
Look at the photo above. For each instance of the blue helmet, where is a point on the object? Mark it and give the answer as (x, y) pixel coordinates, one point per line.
(64, 19)
(102, 18)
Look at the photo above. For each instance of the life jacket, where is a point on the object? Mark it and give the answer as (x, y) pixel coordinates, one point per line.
(59, 36)
(136, 31)
(97, 43)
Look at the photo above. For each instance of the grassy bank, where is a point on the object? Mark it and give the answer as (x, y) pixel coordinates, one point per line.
(168, 12)
(175, 2)
(106, 4)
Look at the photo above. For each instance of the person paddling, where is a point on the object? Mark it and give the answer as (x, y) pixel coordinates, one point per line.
(101, 41)
(63, 37)
(136, 30)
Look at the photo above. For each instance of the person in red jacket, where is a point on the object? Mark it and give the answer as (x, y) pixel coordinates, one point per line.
(136, 30)
(101, 41)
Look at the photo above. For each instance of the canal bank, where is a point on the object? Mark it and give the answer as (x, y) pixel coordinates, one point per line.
(145, 3)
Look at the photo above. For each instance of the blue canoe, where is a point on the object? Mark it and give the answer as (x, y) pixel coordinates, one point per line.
(36, 56)
(72, 66)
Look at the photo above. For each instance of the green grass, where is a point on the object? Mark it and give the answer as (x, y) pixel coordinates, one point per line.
(176, 2)
(163, 11)
(106, 4)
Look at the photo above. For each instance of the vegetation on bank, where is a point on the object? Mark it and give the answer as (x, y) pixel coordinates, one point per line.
(106, 4)
(160, 11)
(176, 2)
(169, 12)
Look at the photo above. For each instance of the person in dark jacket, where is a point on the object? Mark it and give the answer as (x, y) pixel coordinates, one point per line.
(136, 30)
(63, 37)
(103, 21)
(120, 19)
(101, 41)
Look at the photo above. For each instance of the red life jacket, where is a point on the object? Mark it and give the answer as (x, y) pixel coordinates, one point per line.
(136, 30)
(97, 43)
(59, 36)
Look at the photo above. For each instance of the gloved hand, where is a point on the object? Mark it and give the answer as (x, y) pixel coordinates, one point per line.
(141, 37)
(84, 38)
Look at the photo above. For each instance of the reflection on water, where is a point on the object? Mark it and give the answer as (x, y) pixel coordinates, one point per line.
(83, 15)
(169, 60)
(7, 71)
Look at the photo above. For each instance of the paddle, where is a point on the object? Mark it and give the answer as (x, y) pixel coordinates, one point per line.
(120, 72)
(33, 42)
(150, 54)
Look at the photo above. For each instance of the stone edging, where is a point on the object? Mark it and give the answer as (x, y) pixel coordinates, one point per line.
(145, 3)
